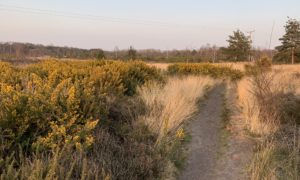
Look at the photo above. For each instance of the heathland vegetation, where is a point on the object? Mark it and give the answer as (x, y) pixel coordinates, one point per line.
(93, 119)
(124, 119)
(270, 104)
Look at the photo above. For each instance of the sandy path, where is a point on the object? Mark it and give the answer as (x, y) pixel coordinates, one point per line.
(204, 161)
(204, 129)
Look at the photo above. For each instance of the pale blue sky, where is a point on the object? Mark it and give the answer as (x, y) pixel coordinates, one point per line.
(164, 24)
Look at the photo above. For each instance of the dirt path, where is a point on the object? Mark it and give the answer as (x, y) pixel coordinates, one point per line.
(209, 157)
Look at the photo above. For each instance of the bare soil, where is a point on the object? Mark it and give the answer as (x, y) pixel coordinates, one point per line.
(217, 151)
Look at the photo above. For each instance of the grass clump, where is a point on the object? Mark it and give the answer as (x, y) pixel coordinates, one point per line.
(270, 107)
(277, 157)
(170, 104)
(167, 107)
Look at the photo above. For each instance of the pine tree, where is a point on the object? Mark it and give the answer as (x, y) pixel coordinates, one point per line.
(290, 43)
(100, 55)
(239, 47)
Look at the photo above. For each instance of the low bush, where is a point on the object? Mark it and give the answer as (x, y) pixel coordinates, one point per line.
(111, 157)
(212, 70)
(53, 104)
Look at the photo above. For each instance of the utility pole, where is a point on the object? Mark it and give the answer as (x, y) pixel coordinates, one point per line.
(250, 38)
(271, 36)
(116, 52)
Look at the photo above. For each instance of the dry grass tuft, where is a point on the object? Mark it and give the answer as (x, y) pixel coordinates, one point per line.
(270, 105)
(277, 157)
(261, 98)
(260, 166)
(163, 66)
(238, 65)
(168, 106)
(287, 68)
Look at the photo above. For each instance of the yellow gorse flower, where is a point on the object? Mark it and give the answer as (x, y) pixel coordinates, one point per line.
(180, 133)
(61, 101)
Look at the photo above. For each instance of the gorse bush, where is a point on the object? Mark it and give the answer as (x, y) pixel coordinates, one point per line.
(214, 71)
(53, 103)
(108, 158)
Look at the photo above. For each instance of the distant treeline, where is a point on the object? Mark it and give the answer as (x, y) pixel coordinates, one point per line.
(27, 50)
(32, 52)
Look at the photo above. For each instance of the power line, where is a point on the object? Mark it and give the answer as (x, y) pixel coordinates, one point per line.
(70, 14)
(77, 17)
(271, 35)
(27, 10)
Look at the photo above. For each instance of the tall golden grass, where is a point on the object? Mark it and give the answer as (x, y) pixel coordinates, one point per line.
(266, 100)
(269, 85)
(163, 66)
(238, 65)
(287, 68)
(249, 106)
(260, 166)
(168, 106)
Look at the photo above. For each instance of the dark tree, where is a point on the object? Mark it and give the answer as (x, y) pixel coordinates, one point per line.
(100, 54)
(289, 50)
(131, 53)
(239, 47)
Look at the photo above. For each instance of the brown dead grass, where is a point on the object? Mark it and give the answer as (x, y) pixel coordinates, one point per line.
(168, 106)
(265, 99)
(163, 66)
(269, 86)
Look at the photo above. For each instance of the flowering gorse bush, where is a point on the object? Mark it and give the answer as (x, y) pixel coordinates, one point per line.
(213, 70)
(54, 103)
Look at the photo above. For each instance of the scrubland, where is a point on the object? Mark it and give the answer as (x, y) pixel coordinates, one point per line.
(270, 104)
(124, 120)
(69, 120)
(93, 119)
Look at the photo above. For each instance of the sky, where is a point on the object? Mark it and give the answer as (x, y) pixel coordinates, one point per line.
(143, 24)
